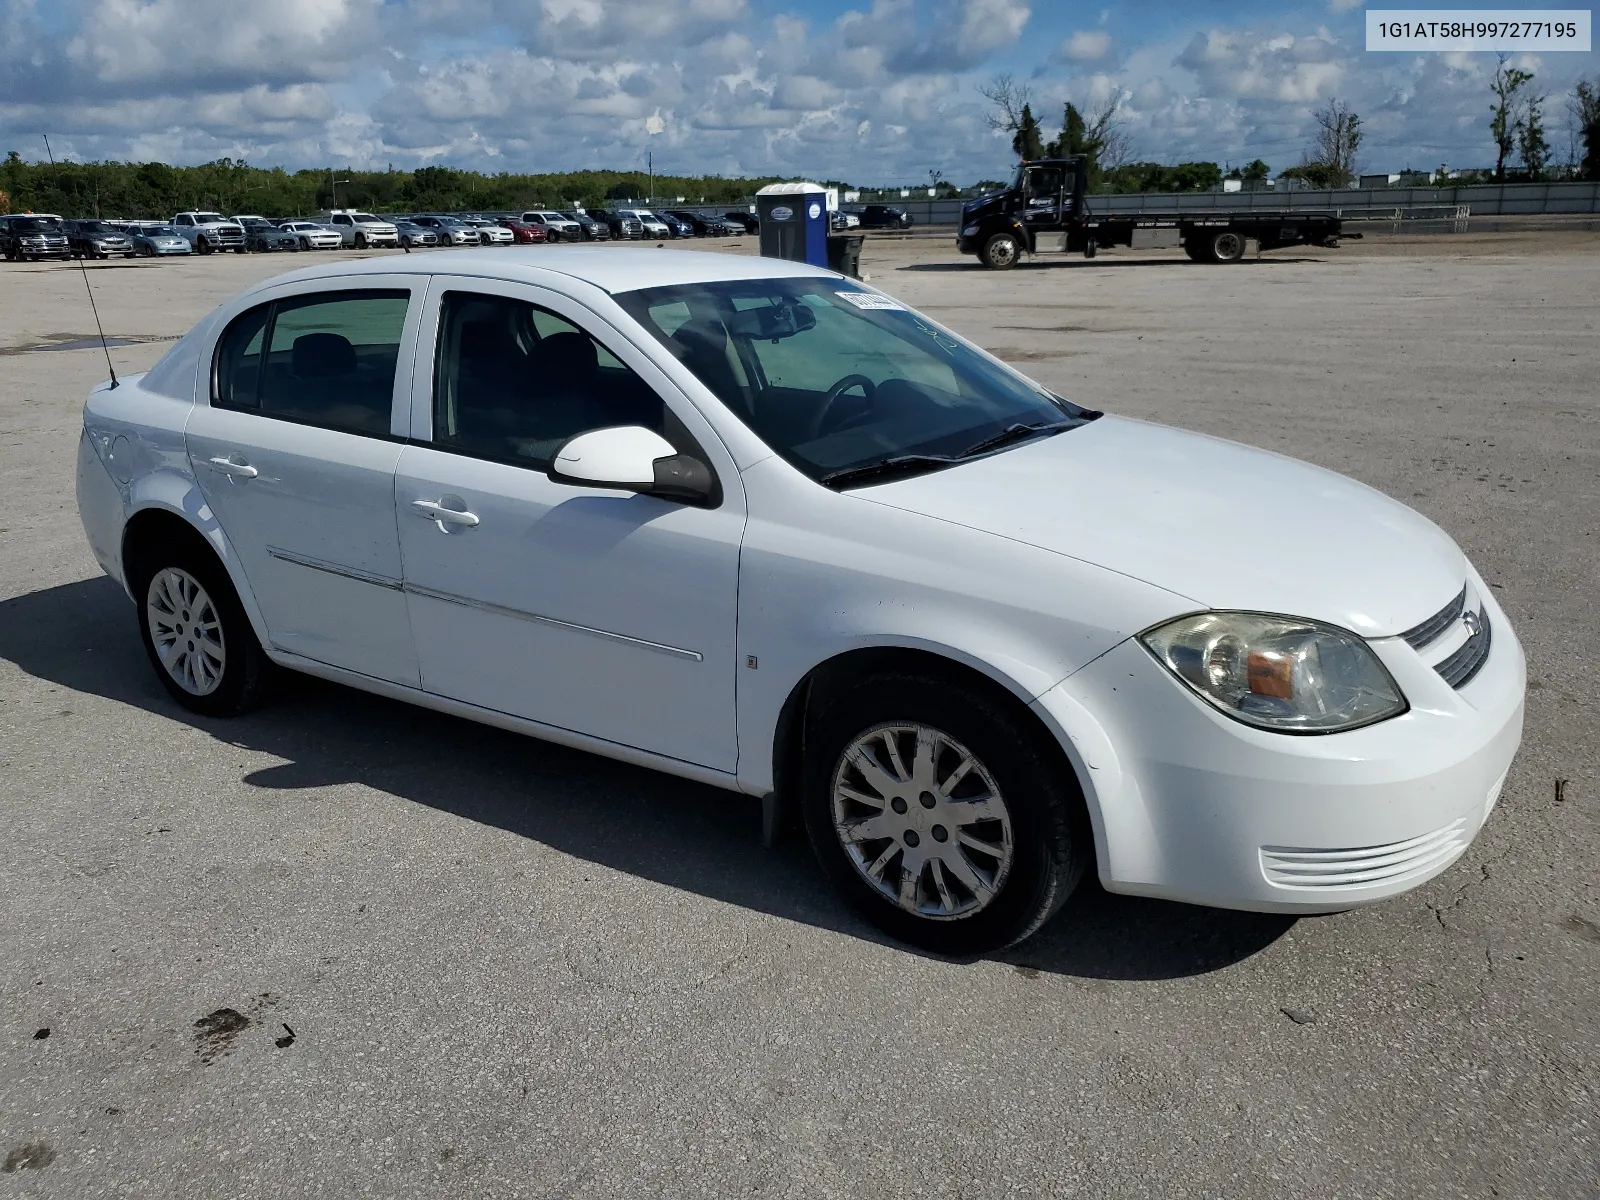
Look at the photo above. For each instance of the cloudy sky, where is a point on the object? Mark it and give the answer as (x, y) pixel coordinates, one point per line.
(869, 91)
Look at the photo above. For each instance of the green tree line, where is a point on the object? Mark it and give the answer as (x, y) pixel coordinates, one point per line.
(128, 190)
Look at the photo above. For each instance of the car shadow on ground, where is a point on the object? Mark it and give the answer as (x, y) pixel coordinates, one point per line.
(1052, 262)
(684, 835)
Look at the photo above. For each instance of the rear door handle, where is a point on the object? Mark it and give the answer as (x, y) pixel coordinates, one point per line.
(233, 468)
(435, 510)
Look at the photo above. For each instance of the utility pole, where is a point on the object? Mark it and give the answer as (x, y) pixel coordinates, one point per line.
(650, 162)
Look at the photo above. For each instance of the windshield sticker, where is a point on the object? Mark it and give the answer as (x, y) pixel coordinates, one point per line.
(871, 300)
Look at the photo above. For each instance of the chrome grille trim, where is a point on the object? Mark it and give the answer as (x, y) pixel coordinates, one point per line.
(1429, 631)
(1459, 669)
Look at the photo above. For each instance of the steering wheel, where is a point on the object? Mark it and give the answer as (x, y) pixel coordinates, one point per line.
(868, 388)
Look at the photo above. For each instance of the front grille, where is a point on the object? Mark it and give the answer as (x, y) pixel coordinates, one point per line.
(1360, 867)
(1459, 669)
(1433, 628)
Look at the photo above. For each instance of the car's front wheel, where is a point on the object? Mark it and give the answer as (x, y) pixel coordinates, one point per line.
(196, 632)
(941, 819)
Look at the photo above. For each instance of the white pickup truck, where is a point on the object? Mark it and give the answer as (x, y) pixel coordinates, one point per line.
(360, 230)
(208, 231)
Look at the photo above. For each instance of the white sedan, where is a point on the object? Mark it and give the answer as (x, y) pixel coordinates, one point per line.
(755, 524)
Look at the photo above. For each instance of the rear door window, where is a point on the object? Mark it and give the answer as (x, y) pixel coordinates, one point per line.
(328, 359)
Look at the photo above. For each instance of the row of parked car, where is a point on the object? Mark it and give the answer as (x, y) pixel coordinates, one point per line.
(33, 236)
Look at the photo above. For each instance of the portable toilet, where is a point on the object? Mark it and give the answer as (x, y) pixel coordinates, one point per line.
(794, 222)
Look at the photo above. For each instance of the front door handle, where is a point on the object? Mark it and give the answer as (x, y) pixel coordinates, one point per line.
(435, 511)
(234, 468)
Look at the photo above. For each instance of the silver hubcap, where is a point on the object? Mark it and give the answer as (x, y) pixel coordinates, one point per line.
(1230, 245)
(1002, 252)
(922, 820)
(186, 631)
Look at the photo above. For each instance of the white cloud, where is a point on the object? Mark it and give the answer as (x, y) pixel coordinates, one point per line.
(1087, 45)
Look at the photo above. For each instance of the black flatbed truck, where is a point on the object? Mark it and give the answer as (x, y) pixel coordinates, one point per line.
(1047, 209)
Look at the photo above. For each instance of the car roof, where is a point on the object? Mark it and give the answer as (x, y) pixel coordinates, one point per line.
(623, 269)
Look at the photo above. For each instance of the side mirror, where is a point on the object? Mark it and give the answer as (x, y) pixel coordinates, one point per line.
(634, 459)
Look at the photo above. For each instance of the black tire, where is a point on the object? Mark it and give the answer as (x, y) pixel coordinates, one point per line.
(246, 670)
(361, 241)
(202, 245)
(1049, 826)
(1001, 252)
(1224, 246)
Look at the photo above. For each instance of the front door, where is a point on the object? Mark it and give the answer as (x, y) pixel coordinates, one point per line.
(295, 454)
(1042, 197)
(606, 613)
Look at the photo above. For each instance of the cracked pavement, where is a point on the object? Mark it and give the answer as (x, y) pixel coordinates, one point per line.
(508, 969)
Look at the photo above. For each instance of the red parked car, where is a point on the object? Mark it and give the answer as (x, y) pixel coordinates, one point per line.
(523, 233)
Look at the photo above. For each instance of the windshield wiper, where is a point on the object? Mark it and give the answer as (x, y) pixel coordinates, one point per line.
(1013, 433)
(900, 464)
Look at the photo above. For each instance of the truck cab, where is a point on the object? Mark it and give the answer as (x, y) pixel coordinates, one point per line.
(209, 231)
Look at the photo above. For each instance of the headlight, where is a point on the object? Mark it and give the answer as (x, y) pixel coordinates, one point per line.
(970, 231)
(1278, 673)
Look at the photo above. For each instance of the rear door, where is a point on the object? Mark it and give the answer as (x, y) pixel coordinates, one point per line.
(296, 453)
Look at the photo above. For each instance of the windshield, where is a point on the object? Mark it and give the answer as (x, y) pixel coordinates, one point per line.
(36, 225)
(836, 378)
(209, 218)
(158, 231)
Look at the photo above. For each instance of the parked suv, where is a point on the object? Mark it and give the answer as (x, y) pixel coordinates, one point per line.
(98, 239)
(676, 226)
(358, 230)
(622, 226)
(594, 230)
(702, 225)
(452, 231)
(32, 236)
(261, 234)
(653, 226)
(208, 231)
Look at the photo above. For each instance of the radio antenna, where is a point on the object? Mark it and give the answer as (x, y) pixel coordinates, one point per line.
(98, 327)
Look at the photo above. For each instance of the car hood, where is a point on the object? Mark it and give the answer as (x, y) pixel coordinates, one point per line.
(1224, 525)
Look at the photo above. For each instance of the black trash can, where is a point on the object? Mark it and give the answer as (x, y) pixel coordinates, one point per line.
(844, 254)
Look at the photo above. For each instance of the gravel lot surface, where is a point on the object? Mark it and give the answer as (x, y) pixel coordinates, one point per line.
(343, 947)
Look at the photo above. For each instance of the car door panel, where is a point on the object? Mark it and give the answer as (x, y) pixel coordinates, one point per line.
(310, 513)
(607, 613)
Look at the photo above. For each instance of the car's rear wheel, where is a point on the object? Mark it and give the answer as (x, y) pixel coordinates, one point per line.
(1001, 252)
(941, 820)
(196, 632)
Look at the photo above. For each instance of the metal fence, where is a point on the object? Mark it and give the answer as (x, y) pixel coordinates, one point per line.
(1484, 200)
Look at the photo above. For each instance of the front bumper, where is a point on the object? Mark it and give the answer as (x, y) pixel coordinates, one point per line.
(1190, 805)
